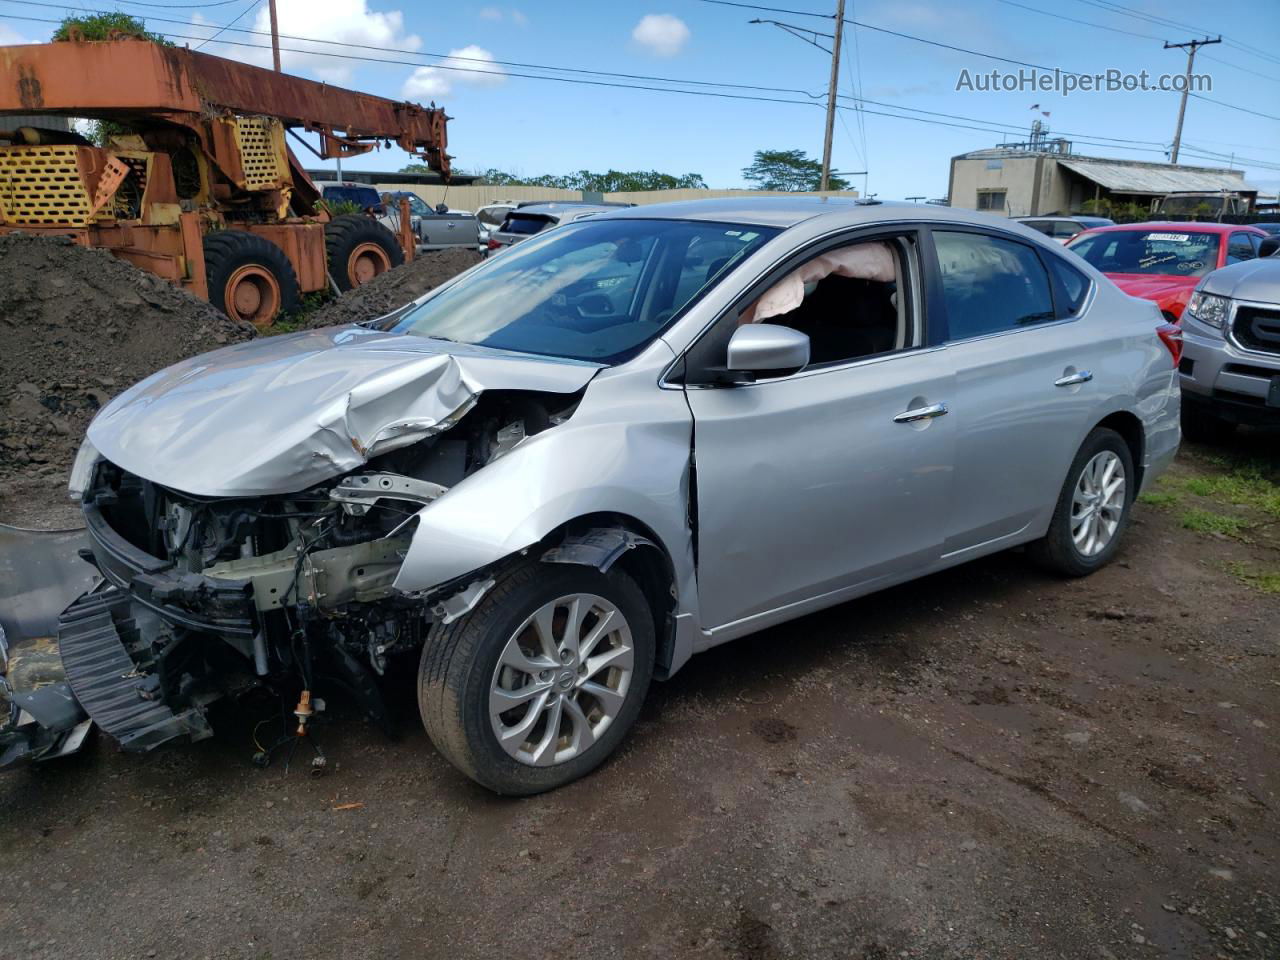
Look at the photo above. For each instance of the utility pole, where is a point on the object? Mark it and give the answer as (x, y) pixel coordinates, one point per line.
(1191, 46)
(275, 35)
(831, 98)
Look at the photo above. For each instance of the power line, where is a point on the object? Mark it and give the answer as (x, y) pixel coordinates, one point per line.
(1163, 21)
(445, 56)
(252, 6)
(1129, 33)
(977, 53)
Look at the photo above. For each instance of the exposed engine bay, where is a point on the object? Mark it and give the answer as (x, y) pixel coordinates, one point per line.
(204, 597)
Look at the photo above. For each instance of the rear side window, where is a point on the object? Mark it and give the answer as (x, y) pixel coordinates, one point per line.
(526, 224)
(1070, 286)
(990, 285)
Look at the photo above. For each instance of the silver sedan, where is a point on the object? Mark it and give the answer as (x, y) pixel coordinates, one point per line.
(564, 473)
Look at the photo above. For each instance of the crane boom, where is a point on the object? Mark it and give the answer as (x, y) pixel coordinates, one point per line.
(124, 78)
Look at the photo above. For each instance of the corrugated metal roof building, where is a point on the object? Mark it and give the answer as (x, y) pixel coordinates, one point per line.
(1027, 183)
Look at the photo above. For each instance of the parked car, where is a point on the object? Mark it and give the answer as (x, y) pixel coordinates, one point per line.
(501, 482)
(530, 218)
(362, 195)
(436, 228)
(491, 216)
(1230, 370)
(1163, 262)
(1273, 229)
(1064, 228)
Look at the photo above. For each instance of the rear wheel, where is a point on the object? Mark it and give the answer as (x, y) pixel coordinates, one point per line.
(1093, 508)
(359, 249)
(541, 682)
(249, 278)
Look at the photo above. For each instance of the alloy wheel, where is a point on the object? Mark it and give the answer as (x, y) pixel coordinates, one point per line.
(561, 679)
(1097, 505)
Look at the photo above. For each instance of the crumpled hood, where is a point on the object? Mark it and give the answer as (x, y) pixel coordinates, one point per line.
(1257, 279)
(280, 414)
(1169, 293)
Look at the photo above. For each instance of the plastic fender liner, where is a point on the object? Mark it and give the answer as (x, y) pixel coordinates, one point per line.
(599, 547)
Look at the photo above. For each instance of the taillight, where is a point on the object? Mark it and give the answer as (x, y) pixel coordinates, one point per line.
(493, 243)
(1170, 335)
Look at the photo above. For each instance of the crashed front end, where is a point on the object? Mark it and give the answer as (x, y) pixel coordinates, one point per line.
(250, 519)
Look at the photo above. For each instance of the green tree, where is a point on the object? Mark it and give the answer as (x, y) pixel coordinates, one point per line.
(611, 181)
(106, 26)
(787, 170)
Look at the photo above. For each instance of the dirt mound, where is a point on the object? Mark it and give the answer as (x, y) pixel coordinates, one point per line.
(77, 327)
(394, 288)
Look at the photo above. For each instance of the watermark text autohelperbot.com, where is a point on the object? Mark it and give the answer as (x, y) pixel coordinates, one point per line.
(1064, 83)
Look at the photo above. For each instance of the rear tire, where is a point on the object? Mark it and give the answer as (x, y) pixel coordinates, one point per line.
(250, 279)
(359, 249)
(1091, 516)
(1201, 425)
(472, 664)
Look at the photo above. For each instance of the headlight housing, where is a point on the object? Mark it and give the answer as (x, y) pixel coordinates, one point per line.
(1210, 309)
(82, 470)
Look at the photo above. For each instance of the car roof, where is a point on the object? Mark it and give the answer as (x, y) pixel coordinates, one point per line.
(834, 212)
(1178, 226)
(563, 206)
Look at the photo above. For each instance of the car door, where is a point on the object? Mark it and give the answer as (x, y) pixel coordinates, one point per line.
(1024, 377)
(832, 477)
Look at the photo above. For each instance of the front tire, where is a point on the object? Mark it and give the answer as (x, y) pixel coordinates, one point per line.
(359, 249)
(1092, 510)
(541, 682)
(249, 278)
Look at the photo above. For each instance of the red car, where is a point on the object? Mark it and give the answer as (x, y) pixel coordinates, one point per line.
(1164, 261)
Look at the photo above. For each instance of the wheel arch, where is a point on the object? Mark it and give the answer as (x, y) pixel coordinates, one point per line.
(1134, 434)
(605, 540)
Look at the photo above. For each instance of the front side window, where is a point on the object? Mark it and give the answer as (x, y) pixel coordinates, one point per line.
(1240, 248)
(852, 302)
(990, 285)
(599, 290)
(1167, 252)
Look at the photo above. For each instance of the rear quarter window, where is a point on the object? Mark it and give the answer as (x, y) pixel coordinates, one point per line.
(1070, 286)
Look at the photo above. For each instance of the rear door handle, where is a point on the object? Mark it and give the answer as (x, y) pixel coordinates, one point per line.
(921, 413)
(1084, 376)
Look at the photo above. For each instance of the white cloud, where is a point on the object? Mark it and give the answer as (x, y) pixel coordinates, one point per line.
(661, 34)
(500, 15)
(9, 37)
(474, 68)
(343, 21)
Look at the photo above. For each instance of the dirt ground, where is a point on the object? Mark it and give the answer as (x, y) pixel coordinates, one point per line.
(989, 763)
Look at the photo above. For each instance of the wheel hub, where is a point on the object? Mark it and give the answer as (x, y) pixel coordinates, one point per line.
(561, 679)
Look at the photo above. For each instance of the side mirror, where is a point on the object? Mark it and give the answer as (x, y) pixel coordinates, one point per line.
(1269, 247)
(767, 348)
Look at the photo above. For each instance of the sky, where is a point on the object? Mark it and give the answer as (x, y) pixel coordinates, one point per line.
(504, 117)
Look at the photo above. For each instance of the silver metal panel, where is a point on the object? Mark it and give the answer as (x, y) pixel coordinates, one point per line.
(280, 414)
(807, 485)
(625, 452)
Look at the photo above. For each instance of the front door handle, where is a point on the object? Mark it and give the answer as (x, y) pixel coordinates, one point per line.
(921, 413)
(1084, 376)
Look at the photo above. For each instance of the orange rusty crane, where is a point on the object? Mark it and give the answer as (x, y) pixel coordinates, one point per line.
(198, 185)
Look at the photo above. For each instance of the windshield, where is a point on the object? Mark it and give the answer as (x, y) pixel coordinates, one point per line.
(598, 290)
(1163, 252)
